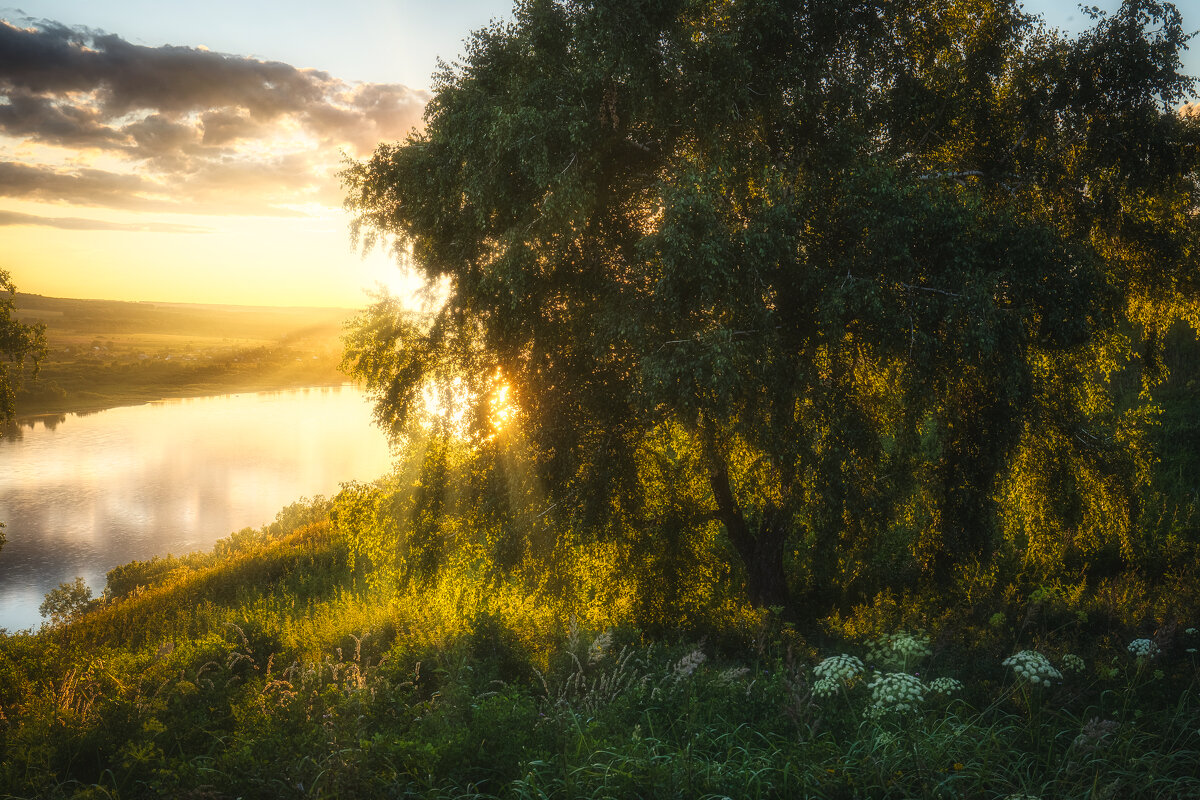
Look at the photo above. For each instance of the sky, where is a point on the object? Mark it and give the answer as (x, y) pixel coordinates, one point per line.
(169, 150)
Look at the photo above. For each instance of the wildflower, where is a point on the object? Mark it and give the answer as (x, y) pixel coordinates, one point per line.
(1190, 631)
(599, 646)
(826, 687)
(685, 666)
(898, 650)
(911, 645)
(945, 686)
(1094, 734)
(842, 668)
(1032, 666)
(1072, 663)
(732, 676)
(896, 691)
(1143, 648)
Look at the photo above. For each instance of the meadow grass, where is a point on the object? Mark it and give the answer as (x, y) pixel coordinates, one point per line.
(274, 667)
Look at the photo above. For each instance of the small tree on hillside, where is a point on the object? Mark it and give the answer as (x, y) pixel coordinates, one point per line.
(19, 343)
(66, 602)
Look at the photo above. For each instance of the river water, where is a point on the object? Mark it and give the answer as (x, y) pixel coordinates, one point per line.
(81, 494)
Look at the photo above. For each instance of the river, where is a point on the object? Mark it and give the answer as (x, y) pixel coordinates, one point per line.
(81, 494)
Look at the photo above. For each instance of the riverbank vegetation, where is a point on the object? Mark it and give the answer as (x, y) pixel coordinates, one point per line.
(315, 658)
(101, 354)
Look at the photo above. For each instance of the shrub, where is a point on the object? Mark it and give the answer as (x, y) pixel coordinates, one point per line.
(67, 602)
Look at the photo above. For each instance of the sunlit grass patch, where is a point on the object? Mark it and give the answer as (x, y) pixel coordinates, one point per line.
(281, 664)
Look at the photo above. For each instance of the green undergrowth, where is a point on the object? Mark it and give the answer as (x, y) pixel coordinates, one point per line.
(273, 667)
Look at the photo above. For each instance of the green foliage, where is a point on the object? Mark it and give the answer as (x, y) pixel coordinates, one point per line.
(272, 667)
(882, 291)
(67, 602)
(19, 342)
(234, 711)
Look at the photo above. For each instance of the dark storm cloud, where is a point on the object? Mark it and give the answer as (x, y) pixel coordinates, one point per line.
(194, 123)
(79, 224)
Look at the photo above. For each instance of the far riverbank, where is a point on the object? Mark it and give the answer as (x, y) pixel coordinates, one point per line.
(118, 396)
(106, 354)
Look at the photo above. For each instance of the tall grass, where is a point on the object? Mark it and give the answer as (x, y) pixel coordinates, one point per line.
(279, 666)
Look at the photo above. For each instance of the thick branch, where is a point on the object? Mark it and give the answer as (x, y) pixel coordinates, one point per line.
(727, 507)
(915, 288)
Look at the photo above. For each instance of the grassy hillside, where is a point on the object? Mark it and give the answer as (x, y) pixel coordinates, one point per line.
(447, 632)
(286, 664)
(106, 353)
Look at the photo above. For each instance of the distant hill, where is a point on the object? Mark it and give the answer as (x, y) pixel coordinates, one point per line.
(186, 319)
(105, 353)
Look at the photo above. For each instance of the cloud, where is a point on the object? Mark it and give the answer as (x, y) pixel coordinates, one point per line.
(227, 126)
(41, 119)
(268, 188)
(53, 59)
(196, 130)
(90, 187)
(79, 224)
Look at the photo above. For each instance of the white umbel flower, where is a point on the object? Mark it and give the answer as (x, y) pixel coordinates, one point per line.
(1032, 666)
(843, 667)
(911, 645)
(896, 691)
(1143, 648)
(945, 686)
(1073, 663)
(900, 650)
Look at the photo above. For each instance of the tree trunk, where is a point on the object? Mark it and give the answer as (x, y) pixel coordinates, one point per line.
(766, 582)
(761, 551)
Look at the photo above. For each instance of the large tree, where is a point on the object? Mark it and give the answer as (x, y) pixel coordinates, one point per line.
(846, 252)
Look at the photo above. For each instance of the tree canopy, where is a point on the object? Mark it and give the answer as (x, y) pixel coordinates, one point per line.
(866, 283)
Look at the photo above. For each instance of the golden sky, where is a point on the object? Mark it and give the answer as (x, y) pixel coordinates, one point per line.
(176, 173)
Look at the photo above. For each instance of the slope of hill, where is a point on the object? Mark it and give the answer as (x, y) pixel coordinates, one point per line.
(279, 666)
(106, 353)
